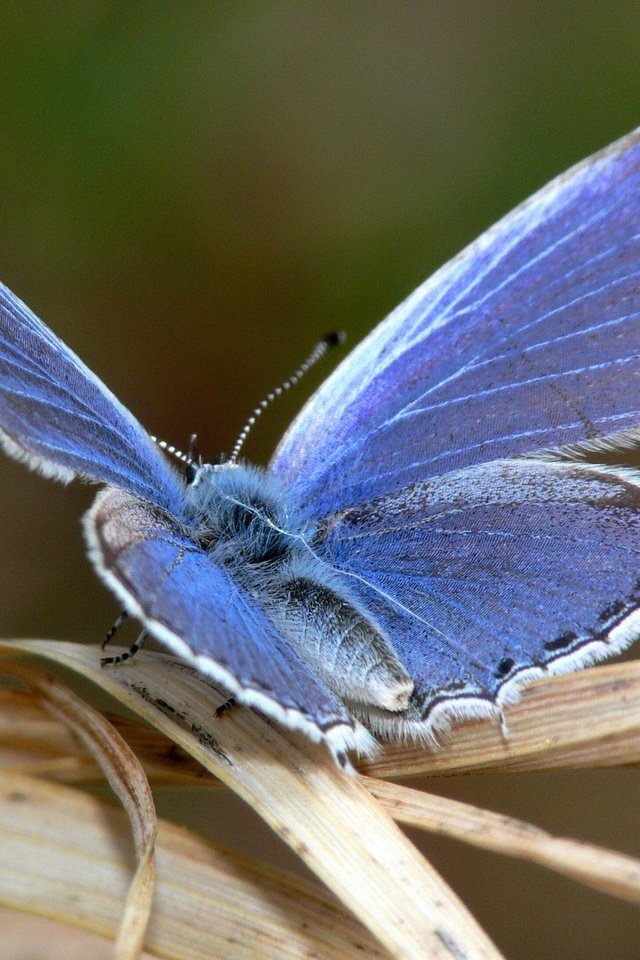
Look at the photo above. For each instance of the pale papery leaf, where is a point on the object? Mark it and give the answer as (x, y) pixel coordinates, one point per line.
(604, 870)
(577, 720)
(127, 779)
(26, 936)
(327, 817)
(581, 720)
(32, 741)
(63, 855)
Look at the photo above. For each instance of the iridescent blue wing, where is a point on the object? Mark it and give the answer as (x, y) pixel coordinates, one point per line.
(487, 576)
(197, 609)
(529, 339)
(469, 466)
(56, 415)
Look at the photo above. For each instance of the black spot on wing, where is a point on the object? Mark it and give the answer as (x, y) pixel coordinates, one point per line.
(564, 642)
(612, 611)
(504, 667)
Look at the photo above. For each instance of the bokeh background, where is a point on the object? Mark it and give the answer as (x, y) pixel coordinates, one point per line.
(191, 193)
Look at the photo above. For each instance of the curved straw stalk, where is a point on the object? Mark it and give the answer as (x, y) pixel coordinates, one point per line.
(61, 854)
(330, 819)
(126, 777)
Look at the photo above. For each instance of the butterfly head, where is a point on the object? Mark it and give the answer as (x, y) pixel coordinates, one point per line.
(198, 474)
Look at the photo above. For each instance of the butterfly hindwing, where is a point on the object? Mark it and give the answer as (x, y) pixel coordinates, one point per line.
(487, 576)
(195, 607)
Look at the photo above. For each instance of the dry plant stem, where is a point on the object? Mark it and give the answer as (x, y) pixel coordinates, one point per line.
(604, 870)
(581, 720)
(609, 872)
(126, 778)
(328, 818)
(564, 704)
(61, 855)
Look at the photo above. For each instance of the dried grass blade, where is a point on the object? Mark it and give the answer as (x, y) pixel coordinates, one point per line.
(587, 719)
(126, 778)
(24, 723)
(328, 818)
(33, 741)
(604, 870)
(61, 856)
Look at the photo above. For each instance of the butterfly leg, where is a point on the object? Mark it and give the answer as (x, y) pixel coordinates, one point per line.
(110, 634)
(224, 707)
(131, 652)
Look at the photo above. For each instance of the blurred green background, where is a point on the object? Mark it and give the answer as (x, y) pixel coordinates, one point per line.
(191, 193)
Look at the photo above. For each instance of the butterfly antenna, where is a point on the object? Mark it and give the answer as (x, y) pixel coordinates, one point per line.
(191, 460)
(327, 342)
(169, 448)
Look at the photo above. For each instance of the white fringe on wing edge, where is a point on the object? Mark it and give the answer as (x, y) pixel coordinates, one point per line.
(468, 705)
(48, 468)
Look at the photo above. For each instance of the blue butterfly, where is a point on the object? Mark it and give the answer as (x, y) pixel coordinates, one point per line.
(454, 512)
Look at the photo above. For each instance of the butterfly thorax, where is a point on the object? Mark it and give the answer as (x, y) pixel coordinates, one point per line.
(242, 516)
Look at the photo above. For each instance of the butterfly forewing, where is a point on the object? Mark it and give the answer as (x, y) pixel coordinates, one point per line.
(58, 417)
(529, 339)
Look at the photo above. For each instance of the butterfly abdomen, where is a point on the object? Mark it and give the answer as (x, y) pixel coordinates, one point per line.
(340, 642)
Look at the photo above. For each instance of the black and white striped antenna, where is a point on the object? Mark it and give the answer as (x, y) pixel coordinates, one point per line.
(192, 460)
(327, 342)
(169, 448)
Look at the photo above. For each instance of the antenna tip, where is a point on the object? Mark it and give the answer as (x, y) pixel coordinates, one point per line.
(335, 338)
